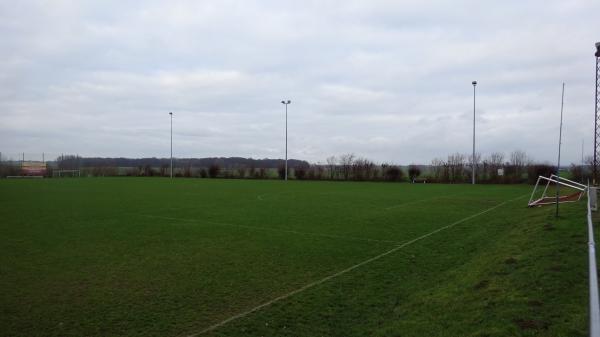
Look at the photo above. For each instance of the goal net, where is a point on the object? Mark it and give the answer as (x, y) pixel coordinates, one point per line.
(546, 189)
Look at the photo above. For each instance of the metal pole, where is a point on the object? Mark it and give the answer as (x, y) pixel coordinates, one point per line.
(596, 131)
(473, 156)
(562, 102)
(286, 144)
(286, 136)
(170, 113)
(593, 273)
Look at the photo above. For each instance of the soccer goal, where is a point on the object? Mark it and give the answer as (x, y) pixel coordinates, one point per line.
(67, 173)
(570, 191)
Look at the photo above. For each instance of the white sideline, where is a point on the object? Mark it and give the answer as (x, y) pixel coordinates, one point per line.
(325, 279)
(332, 236)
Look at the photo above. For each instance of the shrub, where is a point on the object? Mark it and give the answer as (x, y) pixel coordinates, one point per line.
(580, 173)
(213, 170)
(413, 172)
(241, 171)
(534, 171)
(262, 173)
(392, 173)
(300, 172)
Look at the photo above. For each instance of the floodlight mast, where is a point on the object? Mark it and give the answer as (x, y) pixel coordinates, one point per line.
(474, 83)
(562, 104)
(596, 116)
(286, 136)
(171, 114)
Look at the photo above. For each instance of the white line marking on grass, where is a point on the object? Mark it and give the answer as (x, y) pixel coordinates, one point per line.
(325, 279)
(331, 236)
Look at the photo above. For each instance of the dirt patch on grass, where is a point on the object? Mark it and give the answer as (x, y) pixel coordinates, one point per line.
(556, 268)
(510, 260)
(549, 227)
(535, 303)
(531, 324)
(482, 284)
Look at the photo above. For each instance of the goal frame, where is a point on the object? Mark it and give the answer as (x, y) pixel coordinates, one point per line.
(547, 200)
(60, 173)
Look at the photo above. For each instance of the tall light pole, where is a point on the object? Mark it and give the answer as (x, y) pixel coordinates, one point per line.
(562, 104)
(473, 156)
(284, 102)
(171, 114)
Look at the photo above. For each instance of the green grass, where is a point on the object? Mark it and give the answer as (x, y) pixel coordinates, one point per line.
(155, 257)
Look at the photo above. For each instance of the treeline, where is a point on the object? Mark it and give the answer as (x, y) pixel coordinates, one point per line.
(217, 167)
(495, 168)
(71, 162)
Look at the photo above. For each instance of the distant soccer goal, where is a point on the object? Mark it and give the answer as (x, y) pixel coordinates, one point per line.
(570, 191)
(66, 173)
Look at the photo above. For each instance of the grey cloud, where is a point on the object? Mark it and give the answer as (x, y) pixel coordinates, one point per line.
(386, 80)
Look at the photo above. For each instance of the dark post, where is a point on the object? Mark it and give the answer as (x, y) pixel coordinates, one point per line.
(596, 116)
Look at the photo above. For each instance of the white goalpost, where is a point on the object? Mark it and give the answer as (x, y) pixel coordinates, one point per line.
(545, 199)
(67, 173)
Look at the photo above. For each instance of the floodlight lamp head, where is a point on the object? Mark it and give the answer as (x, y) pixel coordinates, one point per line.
(597, 49)
(474, 83)
(170, 113)
(288, 102)
(282, 102)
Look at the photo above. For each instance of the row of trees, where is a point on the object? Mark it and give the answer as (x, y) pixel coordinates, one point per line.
(495, 168)
(516, 167)
(347, 167)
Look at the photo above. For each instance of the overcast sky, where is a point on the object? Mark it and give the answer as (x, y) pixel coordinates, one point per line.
(386, 80)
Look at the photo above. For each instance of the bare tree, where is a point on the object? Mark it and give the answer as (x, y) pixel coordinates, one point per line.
(518, 161)
(493, 163)
(241, 171)
(477, 163)
(262, 173)
(315, 172)
(437, 168)
(456, 167)
(331, 166)
(346, 161)
(362, 169)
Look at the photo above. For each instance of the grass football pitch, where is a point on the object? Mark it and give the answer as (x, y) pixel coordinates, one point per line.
(200, 257)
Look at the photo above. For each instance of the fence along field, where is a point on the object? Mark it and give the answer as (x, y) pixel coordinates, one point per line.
(154, 257)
